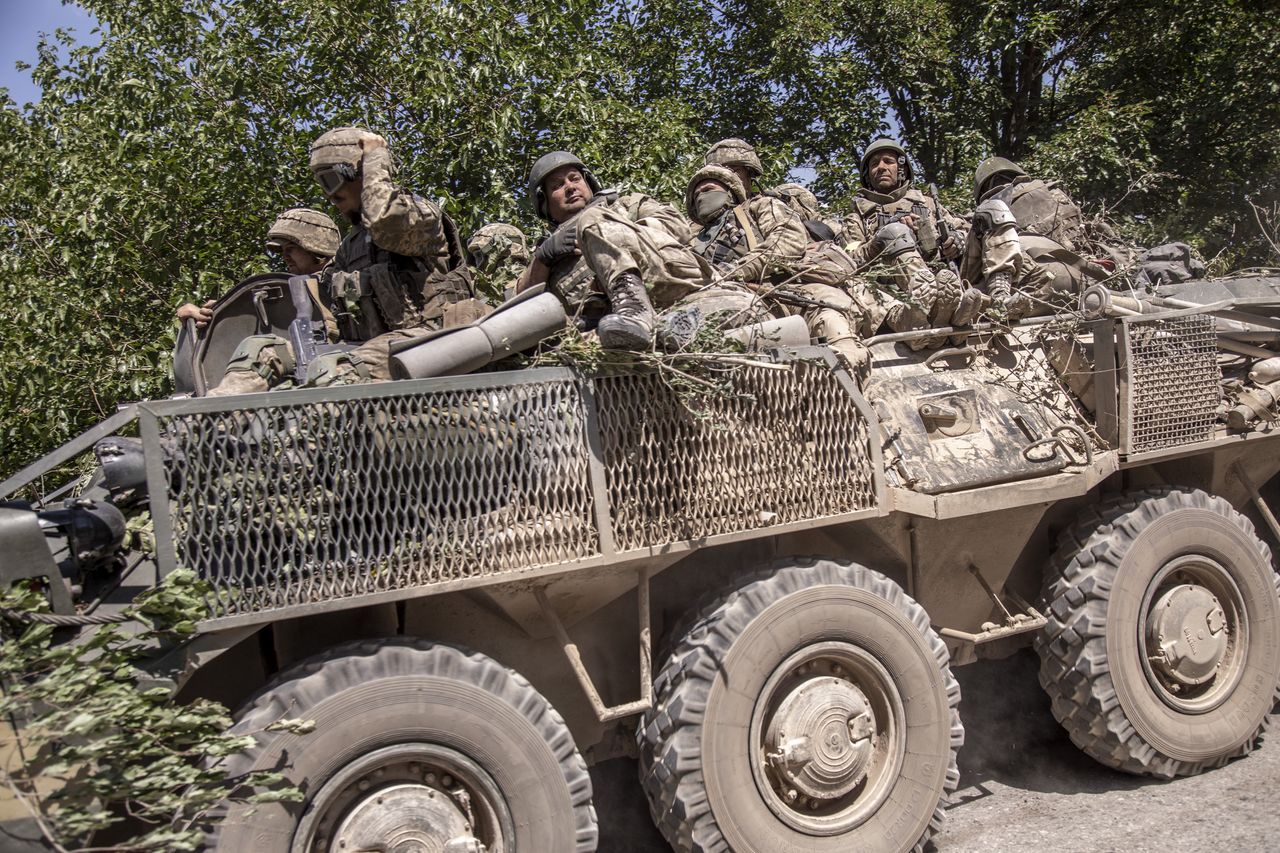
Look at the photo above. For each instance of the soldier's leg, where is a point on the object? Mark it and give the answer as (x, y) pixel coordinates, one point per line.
(838, 322)
(369, 362)
(259, 363)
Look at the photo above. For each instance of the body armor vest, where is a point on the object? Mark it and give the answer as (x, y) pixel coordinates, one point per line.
(727, 240)
(372, 291)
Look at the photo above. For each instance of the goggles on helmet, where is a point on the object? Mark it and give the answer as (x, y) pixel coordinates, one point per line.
(331, 178)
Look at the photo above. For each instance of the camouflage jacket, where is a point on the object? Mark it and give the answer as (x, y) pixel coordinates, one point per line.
(758, 240)
(399, 265)
(874, 210)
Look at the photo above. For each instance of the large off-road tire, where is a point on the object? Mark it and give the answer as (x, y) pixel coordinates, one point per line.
(412, 741)
(1162, 651)
(835, 671)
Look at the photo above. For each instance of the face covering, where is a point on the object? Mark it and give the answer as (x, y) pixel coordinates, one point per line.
(709, 203)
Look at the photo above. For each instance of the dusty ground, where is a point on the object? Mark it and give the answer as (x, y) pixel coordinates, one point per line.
(1025, 787)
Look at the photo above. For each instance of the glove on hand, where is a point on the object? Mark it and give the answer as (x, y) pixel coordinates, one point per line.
(562, 243)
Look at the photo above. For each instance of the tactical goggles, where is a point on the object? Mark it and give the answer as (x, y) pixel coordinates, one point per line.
(331, 178)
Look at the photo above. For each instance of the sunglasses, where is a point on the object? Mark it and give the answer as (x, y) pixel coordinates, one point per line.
(331, 178)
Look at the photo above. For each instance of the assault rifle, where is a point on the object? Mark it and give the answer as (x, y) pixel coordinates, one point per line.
(308, 337)
(945, 231)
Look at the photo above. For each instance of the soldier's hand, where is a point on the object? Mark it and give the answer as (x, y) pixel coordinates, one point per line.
(911, 221)
(951, 247)
(201, 314)
(562, 243)
(372, 142)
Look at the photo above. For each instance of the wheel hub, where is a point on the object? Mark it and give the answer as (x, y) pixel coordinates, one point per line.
(821, 739)
(1187, 635)
(407, 819)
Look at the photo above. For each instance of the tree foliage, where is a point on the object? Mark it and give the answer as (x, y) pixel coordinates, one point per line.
(166, 141)
(98, 742)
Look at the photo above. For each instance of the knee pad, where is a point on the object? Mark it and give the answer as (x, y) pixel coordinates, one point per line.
(896, 239)
(992, 214)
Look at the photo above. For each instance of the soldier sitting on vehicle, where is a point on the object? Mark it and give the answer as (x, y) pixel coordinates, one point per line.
(1026, 232)
(306, 239)
(900, 228)
(612, 258)
(399, 272)
(762, 243)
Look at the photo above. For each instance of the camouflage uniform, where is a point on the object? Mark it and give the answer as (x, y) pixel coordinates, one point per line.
(820, 225)
(761, 241)
(398, 273)
(498, 253)
(617, 233)
(1026, 234)
(874, 233)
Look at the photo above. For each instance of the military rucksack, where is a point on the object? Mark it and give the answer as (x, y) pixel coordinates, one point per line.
(1043, 209)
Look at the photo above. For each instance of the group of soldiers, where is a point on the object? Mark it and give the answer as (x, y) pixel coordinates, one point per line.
(639, 273)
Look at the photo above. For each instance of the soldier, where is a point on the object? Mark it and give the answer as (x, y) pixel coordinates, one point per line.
(306, 239)
(398, 273)
(498, 254)
(899, 227)
(821, 226)
(739, 157)
(1026, 233)
(612, 258)
(760, 241)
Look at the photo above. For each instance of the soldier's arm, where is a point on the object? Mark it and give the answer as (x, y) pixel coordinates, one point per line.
(782, 247)
(398, 220)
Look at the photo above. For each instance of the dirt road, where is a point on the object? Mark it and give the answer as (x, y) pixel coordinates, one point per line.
(1025, 787)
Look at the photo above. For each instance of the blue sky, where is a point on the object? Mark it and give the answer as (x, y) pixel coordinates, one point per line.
(24, 20)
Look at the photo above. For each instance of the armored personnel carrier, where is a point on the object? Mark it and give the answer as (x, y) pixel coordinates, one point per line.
(481, 586)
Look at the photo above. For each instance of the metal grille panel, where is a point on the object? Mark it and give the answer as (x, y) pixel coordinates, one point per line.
(1174, 382)
(787, 445)
(293, 504)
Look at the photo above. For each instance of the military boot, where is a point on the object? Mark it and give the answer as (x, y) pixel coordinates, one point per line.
(630, 324)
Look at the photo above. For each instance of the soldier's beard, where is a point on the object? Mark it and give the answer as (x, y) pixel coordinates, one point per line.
(353, 216)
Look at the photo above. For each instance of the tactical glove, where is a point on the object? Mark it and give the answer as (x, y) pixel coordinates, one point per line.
(562, 243)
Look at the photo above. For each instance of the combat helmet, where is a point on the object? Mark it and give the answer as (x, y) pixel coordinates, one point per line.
(497, 239)
(545, 165)
(991, 168)
(719, 174)
(885, 144)
(336, 156)
(308, 228)
(798, 198)
(735, 152)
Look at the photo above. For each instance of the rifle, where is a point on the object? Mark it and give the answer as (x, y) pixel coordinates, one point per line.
(307, 337)
(945, 231)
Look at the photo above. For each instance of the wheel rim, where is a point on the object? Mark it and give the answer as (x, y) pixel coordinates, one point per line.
(1193, 632)
(827, 738)
(408, 798)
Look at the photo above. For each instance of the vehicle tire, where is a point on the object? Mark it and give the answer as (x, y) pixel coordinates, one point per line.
(401, 727)
(833, 670)
(1162, 651)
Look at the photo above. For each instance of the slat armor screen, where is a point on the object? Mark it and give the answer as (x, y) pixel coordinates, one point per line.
(303, 503)
(786, 445)
(1174, 381)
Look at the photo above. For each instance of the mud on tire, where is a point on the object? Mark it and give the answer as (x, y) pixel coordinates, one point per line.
(415, 721)
(1162, 651)
(834, 670)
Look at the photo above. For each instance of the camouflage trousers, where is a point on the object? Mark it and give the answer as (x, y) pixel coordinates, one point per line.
(612, 244)
(840, 318)
(263, 362)
(1047, 284)
(913, 296)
